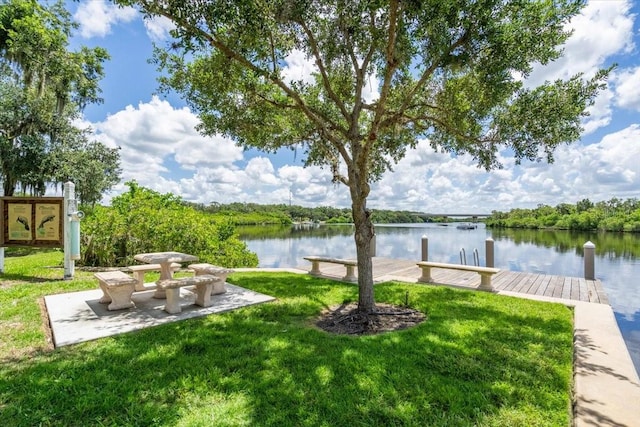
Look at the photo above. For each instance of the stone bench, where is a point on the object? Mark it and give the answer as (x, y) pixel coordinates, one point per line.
(349, 264)
(484, 272)
(117, 288)
(220, 272)
(203, 284)
(140, 270)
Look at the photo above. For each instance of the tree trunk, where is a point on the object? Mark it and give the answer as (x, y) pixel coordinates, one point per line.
(8, 184)
(363, 235)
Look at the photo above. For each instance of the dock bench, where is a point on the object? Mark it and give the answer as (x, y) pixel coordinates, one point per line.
(140, 270)
(117, 288)
(203, 284)
(220, 272)
(349, 264)
(484, 272)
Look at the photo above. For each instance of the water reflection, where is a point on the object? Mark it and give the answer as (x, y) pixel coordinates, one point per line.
(536, 251)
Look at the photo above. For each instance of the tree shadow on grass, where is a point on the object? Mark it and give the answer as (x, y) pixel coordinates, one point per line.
(19, 251)
(7, 279)
(471, 361)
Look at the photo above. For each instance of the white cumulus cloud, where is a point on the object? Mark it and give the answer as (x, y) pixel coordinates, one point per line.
(601, 31)
(96, 17)
(158, 28)
(627, 84)
(154, 133)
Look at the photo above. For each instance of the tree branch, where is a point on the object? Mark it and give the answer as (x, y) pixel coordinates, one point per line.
(453, 130)
(426, 75)
(394, 9)
(323, 72)
(315, 116)
(360, 71)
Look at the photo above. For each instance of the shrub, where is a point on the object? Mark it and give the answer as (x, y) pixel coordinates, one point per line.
(142, 220)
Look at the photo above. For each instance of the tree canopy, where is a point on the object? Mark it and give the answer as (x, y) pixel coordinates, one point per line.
(611, 215)
(43, 87)
(384, 75)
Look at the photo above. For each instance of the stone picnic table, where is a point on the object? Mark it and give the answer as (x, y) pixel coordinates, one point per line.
(165, 259)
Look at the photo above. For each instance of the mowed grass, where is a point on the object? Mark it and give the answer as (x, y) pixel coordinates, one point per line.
(478, 360)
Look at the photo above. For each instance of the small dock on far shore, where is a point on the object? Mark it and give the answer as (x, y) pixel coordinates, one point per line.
(568, 288)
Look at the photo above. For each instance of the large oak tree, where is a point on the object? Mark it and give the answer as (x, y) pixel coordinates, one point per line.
(43, 87)
(451, 71)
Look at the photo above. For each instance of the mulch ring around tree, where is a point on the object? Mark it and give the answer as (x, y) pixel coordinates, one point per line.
(345, 319)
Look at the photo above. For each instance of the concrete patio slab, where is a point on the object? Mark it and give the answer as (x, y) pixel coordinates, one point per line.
(78, 316)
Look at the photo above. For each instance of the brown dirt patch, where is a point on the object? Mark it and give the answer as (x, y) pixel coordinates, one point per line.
(345, 319)
(46, 325)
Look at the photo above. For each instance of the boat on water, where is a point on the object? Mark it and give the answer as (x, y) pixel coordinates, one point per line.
(467, 226)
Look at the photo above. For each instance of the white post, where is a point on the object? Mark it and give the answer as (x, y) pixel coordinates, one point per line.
(425, 248)
(1, 260)
(489, 252)
(69, 207)
(589, 261)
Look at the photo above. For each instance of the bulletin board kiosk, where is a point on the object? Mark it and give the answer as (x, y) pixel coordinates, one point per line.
(43, 222)
(34, 222)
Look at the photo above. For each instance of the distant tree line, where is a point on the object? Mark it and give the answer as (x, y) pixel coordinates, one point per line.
(254, 213)
(612, 215)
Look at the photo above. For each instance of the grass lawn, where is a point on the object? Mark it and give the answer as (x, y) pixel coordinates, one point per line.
(478, 360)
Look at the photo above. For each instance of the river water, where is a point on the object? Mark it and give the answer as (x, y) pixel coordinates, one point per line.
(617, 262)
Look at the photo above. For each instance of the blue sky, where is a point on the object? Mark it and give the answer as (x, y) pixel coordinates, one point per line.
(161, 150)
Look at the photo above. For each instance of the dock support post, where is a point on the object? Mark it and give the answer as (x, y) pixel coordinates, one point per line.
(489, 252)
(589, 261)
(425, 248)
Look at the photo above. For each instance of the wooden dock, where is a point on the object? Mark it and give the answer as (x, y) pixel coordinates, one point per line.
(570, 288)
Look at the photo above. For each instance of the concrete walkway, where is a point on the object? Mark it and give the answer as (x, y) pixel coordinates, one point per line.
(606, 383)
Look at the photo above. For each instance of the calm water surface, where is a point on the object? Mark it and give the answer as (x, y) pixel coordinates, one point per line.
(535, 251)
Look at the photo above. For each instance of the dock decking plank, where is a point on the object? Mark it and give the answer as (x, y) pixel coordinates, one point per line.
(591, 290)
(566, 290)
(537, 284)
(524, 283)
(602, 295)
(517, 278)
(557, 289)
(584, 291)
(544, 284)
(501, 279)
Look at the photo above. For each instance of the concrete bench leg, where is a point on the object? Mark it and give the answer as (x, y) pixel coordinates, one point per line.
(203, 295)
(139, 276)
(105, 299)
(315, 268)
(485, 282)
(121, 297)
(426, 275)
(172, 305)
(350, 276)
(159, 294)
(218, 287)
